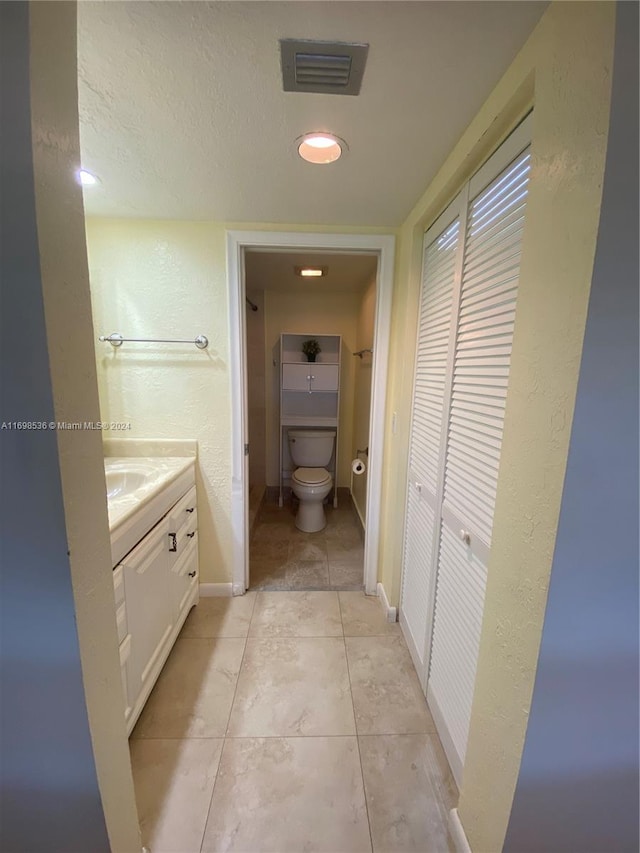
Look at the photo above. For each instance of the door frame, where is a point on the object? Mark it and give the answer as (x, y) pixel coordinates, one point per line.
(381, 245)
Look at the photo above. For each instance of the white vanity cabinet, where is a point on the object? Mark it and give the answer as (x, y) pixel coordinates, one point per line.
(155, 585)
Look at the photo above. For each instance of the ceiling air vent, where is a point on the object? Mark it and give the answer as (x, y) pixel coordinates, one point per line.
(324, 67)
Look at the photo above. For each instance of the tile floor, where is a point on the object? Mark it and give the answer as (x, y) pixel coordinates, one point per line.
(281, 557)
(286, 722)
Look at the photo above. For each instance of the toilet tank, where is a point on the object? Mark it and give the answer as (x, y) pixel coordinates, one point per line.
(311, 448)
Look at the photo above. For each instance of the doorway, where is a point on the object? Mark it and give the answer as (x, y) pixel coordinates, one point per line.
(239, 246)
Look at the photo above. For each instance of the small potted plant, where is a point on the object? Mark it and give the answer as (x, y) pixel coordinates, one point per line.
(311, 348)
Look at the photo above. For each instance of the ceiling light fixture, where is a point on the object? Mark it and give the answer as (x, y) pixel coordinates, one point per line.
(311, 272)
(320, 148)
(86, 178)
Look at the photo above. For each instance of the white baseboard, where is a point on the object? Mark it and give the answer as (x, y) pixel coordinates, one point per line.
(457, 833)
(209, 590)
(358, 513)
(391, 613)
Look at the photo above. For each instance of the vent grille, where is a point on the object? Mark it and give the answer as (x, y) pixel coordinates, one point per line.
(331, 68)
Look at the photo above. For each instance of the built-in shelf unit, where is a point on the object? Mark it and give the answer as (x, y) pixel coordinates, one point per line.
(309, 394)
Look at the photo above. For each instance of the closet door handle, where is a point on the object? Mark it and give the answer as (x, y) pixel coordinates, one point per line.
(465, 536)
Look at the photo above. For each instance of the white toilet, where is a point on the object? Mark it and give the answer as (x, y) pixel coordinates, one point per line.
(311, 450)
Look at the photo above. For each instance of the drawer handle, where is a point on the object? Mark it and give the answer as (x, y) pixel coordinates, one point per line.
(192, 574)
(173, 539)
(191, 509)
(191, 535)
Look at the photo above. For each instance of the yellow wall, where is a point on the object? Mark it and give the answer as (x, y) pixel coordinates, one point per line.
(362, 397)
(322, 314)
(168, 279)
(65, 284)
(564, 72)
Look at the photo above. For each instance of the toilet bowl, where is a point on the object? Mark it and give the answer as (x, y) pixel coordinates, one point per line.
(311, 486)
(311, 450)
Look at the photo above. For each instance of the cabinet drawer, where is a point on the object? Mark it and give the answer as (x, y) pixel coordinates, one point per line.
(182, 539)
(184, 512)
(185, 576)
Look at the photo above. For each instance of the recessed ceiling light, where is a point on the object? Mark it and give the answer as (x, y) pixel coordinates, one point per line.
(320, 148)
(86, 178)
(311, 272)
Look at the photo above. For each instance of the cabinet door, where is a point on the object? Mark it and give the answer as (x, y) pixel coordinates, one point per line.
(480, 377)
(149, 612)
(324, 377)
(296, 377)
(425, 449)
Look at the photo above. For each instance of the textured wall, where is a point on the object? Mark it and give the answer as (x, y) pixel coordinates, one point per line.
(564, 70)
(162, 278)
(362, 396)
(578, 782)
(312, 312)
(256, 399)
(57, 596)
(167, 280)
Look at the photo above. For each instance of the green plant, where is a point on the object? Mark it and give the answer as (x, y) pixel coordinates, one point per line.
(311, 347)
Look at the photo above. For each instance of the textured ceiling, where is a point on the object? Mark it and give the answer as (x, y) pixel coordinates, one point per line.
(275, 271)
(182, 113)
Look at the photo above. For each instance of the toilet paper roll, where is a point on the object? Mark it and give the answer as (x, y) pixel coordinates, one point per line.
(358, 466)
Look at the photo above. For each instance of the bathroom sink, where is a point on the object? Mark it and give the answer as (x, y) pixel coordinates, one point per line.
(124, 482)
(140, 490)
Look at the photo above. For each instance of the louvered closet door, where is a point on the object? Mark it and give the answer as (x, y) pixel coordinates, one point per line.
(434, 341)
(482, 359)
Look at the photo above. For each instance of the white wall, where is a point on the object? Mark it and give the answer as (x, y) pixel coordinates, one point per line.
(362, 395)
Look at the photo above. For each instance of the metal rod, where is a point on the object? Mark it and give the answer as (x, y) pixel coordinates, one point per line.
(361, 352)
(253, 305)
(116, 340)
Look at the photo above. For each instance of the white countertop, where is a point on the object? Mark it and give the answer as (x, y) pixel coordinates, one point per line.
(156, 472)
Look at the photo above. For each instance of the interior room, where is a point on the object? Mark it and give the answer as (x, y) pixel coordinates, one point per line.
(287, 307)
(320, 427)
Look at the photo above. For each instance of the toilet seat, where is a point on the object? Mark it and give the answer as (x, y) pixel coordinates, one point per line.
(311, 476)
